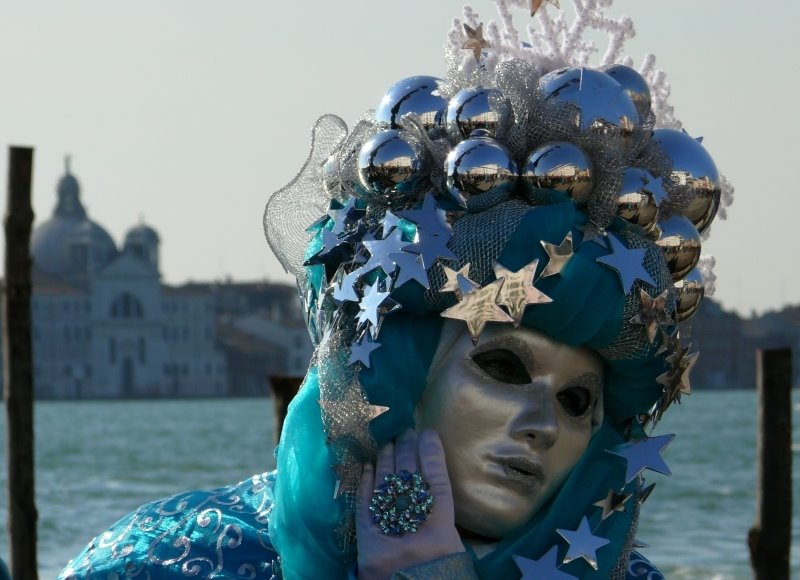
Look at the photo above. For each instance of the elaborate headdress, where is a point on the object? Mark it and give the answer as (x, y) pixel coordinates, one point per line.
(523, 187)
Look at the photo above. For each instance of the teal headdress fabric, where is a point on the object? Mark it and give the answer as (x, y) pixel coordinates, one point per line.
(587, 308)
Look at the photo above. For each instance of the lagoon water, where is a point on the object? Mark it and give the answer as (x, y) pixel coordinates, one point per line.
(96, 461)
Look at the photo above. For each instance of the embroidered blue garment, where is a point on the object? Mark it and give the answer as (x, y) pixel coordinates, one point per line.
(221, 533)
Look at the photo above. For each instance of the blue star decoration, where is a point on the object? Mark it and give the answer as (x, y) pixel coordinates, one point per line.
(429, 218)
(360, 351)
(582, 543)
(643, 454)
(545, 568)
(433, 232)
(627, 263)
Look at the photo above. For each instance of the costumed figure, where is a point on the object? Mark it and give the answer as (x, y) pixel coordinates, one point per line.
(499, 290)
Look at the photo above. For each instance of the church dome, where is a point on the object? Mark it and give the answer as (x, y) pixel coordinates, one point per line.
(142, 241)
(142, 234)
(69, 244)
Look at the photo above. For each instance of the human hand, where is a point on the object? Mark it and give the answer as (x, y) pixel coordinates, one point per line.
(380, 555)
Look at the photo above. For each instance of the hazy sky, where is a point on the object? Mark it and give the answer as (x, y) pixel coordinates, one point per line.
(191, 112)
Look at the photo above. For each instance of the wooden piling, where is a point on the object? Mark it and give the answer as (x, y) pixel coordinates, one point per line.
(771, 535)
(284, 388)
(18, 366)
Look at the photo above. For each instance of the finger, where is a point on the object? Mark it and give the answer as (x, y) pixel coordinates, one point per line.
(405, 455)
(434, 466)
(365, 489)
(384, 465)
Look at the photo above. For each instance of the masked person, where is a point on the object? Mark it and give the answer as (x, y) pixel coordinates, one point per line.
(496, 289)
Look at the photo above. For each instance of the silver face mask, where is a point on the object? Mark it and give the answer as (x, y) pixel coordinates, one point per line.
(514, 414)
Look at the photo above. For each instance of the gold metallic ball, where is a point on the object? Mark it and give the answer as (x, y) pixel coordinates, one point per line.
(635, 204)
(690, 291)
(680, 242)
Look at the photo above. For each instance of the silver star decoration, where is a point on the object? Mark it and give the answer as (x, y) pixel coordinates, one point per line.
(333, 249)
(374, 306)
(643, 454)
(545, 568)
(536, 4)
(676, 381)
(582, 543)
(627, 263)
(478, 307)
(344, 290)
(343, 216)
(653, 313)
(656, 187)
(360, 351)
(341, 472)
(593, 233)
(390, 222)
(559, 256)
(593, 102)
(613, 502)
(668, 343)
(645, 493)
(475, 41)
(518, 291)
(380, 252)
(453, 280)
(410, 267)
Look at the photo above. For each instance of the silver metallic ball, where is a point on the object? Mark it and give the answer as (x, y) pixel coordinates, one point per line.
(680, 243)
(389, 164)
(635, 204)
(412, 95)
(605, 107)
(476, 108)
(557, 172)
(480, 166)
(693, 168)
(634, 84)
(691, 291)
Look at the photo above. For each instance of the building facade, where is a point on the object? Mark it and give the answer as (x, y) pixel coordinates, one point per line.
(105, 326)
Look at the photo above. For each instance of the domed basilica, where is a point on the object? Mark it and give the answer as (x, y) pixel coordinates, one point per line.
(103, 323)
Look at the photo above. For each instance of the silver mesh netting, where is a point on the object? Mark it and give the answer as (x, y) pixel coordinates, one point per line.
(620, 571)
(292, 209)
(478, 239)
(345, 418)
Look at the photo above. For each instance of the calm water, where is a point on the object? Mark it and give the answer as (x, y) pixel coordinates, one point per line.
(97, 461)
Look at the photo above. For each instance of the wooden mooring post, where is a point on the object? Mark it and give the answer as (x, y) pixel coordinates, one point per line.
(770, 537)
(284, 388)
(18, 366)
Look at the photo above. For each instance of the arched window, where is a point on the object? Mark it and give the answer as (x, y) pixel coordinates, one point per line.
(126, 305)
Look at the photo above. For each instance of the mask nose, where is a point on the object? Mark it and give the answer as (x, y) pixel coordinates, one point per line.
(536, 422)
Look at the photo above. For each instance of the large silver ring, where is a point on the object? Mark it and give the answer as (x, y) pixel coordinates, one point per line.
(401, 503)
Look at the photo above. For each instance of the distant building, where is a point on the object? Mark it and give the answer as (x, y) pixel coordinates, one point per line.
(104, 326)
